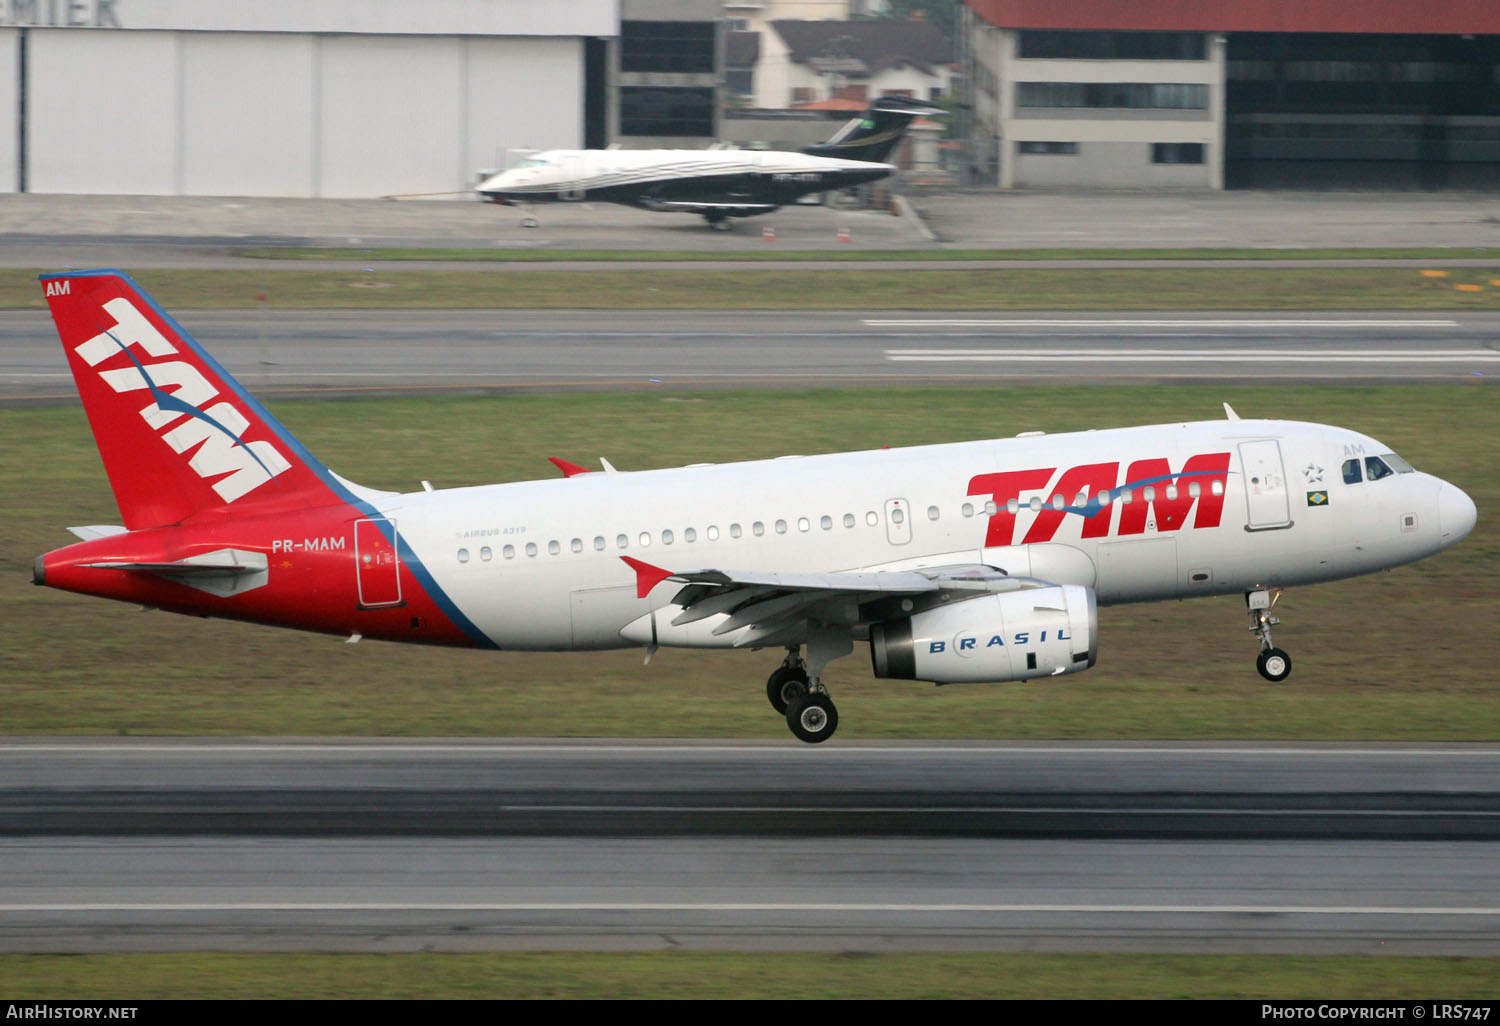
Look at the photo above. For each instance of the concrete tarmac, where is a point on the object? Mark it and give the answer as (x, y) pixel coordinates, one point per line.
(43, 227)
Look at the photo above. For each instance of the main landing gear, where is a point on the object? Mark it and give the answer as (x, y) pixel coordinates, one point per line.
(717, 222)
(802, 699)
(1273, 663)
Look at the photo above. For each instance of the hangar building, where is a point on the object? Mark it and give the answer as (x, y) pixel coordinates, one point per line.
(1236, 93)
(312, 98)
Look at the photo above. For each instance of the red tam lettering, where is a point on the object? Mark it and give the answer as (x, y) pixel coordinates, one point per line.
(1004, 487)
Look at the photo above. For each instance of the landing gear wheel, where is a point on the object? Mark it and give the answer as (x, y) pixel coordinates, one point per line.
(528, 222)
(784, 686)
(812, 718)
(1274, 664)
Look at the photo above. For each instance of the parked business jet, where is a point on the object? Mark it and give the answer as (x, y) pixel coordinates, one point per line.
(966, 562)
(720, 183)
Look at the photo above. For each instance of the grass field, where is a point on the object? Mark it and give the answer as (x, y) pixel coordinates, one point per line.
(1408, 654)
(711, 975)
(1198, 288)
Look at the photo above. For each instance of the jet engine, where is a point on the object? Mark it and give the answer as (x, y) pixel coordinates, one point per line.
(1017, 635)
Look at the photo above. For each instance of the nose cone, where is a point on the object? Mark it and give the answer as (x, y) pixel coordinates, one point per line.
(1456, 514)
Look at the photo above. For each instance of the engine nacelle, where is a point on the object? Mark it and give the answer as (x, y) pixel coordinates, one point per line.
(1017, 635)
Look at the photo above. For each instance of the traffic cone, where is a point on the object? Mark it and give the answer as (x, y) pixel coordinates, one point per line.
(843, 235)
(768, 234)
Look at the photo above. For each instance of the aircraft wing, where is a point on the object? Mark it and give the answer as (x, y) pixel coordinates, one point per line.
(776, 605)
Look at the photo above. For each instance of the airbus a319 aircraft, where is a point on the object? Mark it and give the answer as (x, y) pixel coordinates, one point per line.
(979, 561)
(718, 184)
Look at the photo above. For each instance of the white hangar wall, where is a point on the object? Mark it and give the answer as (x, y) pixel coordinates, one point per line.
(322, 98)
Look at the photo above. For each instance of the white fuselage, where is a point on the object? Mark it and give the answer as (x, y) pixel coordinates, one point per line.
(1244, 505)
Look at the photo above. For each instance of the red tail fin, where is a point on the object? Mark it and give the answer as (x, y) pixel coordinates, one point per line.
(177, 434)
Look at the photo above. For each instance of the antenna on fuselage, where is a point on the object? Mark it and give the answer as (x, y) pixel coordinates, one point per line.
(1229, 412)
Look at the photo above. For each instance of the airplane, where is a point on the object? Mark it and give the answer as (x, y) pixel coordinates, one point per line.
(717, 183)
(966, 562)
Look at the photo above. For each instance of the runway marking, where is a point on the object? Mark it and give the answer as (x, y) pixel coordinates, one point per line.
(1077, 322)
(1196, 355)
(587, 906)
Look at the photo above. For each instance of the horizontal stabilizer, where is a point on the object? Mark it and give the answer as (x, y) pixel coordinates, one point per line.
(92, 531)
(223, 572)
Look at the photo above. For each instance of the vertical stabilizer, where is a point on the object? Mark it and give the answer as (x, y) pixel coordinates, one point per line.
(177, 434)
(874, 134)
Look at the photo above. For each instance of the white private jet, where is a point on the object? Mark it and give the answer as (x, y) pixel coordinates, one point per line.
(719, 183)
(974, 561)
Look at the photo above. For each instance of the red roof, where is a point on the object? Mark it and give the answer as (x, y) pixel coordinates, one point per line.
(1436, 17)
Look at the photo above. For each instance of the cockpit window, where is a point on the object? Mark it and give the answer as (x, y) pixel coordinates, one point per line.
(532, 162)
(1352, 473)
(1397, 464)
(1375, 468)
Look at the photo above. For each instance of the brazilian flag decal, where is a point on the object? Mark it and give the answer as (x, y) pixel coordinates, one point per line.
(1317, 498)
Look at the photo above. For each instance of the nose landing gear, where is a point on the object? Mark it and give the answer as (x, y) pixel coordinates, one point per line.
(1273, 663)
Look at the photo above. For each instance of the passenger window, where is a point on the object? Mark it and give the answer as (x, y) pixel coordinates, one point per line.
(1194, 489)
(826, 523)
(1216, 487)
(781, 527)
(872, 518)
(1035, 504)
(1171, 493)
(645, 539)
(932, 513)
(803, 524)
(758, 528)
(553, 548)
(1351, 472)
(713, 533)
(967, 509)
(598, 543)
(577, 544)
(735, 531)
(898, 515)
(531, 548)
(1148, 494)
(463, 555)
(509, 552)
(848, 519)
(1375, 468)
(622, 542)
(486, 554)
(690, 534)
(666, 537)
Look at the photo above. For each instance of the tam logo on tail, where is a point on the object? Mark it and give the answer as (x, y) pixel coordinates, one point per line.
(215, 432)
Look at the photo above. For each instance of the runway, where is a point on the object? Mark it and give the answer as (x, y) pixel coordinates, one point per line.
(391, 352)
(433, 845)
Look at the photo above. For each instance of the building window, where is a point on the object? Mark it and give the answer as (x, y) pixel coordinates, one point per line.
(671, 46)
(659, 110)
(1132, 95)
(1176, 153)
(1113, 46)
(1046, 147)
